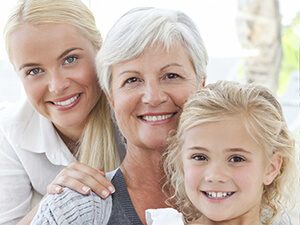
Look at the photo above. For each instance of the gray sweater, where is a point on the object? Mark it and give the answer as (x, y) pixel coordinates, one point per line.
(73, 208)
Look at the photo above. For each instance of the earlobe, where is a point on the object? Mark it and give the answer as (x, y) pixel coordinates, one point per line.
(202, 82)
(110, 100)
(273, 169)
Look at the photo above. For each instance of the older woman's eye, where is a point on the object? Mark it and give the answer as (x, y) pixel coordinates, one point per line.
(171, 76)
(132, 80)
(34, 72)
(70, 59)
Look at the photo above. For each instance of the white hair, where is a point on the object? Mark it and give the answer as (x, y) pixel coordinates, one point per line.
(143, 27)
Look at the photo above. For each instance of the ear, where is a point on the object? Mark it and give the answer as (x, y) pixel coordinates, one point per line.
(273, 168)
(202, 82)
(110, 100)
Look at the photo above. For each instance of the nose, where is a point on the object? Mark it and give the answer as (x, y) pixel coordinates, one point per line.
(154, 94)
(57, 82)
(216, 173)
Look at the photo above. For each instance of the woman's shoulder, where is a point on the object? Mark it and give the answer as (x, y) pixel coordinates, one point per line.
(71, 207)
(17, 115)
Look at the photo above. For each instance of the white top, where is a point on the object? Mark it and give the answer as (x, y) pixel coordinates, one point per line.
(31, 155)
(164, 216)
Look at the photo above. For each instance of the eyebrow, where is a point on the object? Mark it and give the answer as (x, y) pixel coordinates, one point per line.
(171, 64)
(67, 51)
(199, 148)
(28, 65)
(163, 68)
(238, 150)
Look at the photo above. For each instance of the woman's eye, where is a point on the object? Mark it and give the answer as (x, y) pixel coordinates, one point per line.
(131, 80)
(34, 71)
(199, 157)
(237, 159)
(70, 59)
(171, 76)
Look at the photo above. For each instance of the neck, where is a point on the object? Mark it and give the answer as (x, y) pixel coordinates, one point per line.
(72, 142)
(144, 179)
(141, 167)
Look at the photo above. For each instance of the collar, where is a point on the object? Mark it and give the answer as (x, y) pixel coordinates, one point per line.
(35, 133)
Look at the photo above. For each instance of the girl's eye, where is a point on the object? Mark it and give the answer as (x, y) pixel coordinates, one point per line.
(200, 157)
(70, 59)
(34, 71)
(171, 76)
(237, 159)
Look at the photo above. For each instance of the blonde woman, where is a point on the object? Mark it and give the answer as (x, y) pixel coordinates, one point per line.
(52, 45)
(232, 159)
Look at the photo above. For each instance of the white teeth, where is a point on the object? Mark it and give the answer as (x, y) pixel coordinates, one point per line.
(68, 101)
(218, 195)
(157, 118)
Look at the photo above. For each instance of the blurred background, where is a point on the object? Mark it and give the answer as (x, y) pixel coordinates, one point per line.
(247, 40)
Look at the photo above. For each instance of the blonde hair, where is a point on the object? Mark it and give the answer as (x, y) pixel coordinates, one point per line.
(98, 147)
(264, 121)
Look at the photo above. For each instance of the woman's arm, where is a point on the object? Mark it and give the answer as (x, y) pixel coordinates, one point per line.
(28, 218)
(15, 186)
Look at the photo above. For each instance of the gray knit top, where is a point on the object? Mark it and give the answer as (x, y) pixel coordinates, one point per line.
(73, 208)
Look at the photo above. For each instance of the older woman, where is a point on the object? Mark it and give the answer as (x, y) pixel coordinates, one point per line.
(150, 63)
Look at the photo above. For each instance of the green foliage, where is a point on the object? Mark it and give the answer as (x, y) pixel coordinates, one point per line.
(291, 48)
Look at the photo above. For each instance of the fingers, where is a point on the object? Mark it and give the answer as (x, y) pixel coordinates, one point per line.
(54, 189)
(82, 178)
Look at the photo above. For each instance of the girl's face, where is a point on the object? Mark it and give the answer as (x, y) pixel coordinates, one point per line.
(225, 171)
(148, 94)
(55, 63)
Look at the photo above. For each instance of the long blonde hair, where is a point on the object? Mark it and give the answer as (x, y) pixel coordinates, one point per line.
(265, 123)
(98, 147)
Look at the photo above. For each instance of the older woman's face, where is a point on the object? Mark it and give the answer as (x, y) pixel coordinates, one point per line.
(148, 94)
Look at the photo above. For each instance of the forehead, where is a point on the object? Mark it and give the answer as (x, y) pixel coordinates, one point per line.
(159, 55)
(36, 39)
(221, 135)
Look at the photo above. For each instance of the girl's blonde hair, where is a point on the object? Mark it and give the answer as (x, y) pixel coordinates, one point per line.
(98, 147)
(264, 121)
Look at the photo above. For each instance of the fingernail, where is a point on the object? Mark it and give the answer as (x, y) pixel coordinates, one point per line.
(111, 189)
(86, 189)
(104, 193)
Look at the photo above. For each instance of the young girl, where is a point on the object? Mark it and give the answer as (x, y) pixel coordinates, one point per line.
(232, 158)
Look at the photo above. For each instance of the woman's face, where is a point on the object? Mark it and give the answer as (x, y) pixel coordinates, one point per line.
(55, 63)
(148, 93)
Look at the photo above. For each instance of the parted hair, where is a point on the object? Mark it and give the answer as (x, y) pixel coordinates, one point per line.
(265, 123)
(98, 147)
(142, 27)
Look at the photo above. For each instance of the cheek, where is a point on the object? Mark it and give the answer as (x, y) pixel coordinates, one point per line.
(192, 176)
(34, 90)
(123, 109)
(182, 94)
(245, 177)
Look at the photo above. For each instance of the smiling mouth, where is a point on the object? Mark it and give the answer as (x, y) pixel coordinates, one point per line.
(217, 195)
(156, 118)
(67, 102)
